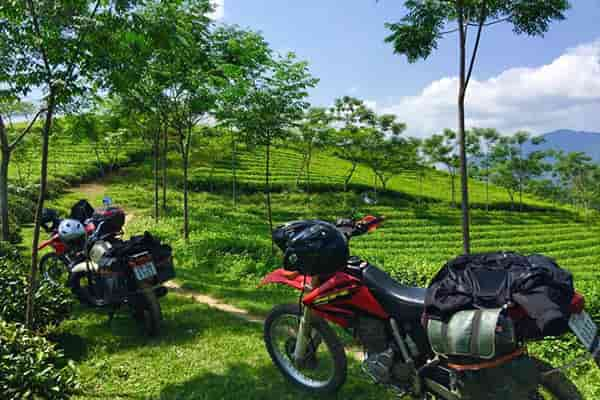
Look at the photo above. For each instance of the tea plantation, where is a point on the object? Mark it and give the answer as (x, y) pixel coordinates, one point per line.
(206, 354)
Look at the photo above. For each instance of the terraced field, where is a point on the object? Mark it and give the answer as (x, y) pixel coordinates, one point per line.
(229, 251)
(68, 161)
(328, 173)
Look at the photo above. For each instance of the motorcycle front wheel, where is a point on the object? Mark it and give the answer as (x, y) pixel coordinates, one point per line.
(324, 367)
(53, 269)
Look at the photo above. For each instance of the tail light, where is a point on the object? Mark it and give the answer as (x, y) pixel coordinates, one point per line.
(89, 228)
(577, 304)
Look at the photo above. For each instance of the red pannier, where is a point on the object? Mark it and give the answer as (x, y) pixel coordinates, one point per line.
(111, 218)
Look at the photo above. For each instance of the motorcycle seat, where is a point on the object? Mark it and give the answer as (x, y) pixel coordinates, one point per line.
(403, 302)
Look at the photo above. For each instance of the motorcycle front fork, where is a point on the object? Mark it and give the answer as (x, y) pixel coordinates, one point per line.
(305, 327)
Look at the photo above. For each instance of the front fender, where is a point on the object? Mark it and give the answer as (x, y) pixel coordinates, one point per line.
(289, 278)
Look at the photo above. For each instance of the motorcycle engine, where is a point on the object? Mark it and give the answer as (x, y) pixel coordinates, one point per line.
(373, 335)
(98, 250)
(381, 361)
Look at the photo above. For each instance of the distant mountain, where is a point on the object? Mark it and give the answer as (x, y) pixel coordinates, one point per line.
(570, 141)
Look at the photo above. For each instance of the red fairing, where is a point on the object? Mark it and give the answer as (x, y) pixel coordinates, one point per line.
(293, 279)
(339, 280)
(59, 247)
(358, 296)
(338, 299)
(364, 300)
(45, 244)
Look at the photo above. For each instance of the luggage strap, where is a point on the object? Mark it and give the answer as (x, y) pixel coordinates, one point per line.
(489, 364)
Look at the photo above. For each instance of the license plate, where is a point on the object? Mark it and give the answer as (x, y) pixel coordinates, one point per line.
(585, 329)
(144, 271)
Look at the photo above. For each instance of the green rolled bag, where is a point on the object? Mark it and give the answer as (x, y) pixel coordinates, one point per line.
(479, 334)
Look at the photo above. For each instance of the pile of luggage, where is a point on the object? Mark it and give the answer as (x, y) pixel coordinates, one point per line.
(482, 309)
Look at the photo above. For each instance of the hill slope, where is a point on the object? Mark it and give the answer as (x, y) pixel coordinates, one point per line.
(229, 251)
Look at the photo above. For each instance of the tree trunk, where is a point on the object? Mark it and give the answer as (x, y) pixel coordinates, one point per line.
(38, 213)
(382, 180)
(156, 172)
(487, 186)
(308, 162)
(520, 196)
(186, 221)
(234, 171)
(299, 175)
(421, 179)
(453, 189)
(98, 159)
(461, 132)
(268, 192)
(349, 177)
(4, 194)
(512, 199)
(164, 169)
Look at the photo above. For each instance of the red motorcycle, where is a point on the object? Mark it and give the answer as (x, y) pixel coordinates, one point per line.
(386, 318)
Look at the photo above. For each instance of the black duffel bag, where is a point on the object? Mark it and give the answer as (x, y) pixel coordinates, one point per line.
(494, 280)
(162, 254)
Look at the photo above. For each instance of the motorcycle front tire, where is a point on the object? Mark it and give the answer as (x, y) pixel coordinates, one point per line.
(53, 268)
(329, 338)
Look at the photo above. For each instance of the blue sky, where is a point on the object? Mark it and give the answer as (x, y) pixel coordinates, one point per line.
(344, 43)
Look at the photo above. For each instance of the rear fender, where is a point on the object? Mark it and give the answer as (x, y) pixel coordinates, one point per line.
(288, 278)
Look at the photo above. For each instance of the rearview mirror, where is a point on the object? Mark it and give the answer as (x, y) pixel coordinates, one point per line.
(369, 198)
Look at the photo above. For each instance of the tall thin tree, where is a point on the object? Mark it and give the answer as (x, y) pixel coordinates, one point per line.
(426, 22)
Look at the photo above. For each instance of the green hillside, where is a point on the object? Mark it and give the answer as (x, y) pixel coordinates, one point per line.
(328, 173)
(229, 252)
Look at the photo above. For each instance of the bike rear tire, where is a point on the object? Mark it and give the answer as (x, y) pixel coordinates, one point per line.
(555, 383)
(148, 313)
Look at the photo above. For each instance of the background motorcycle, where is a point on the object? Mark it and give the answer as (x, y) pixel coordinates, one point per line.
(133, 279)
(382, 314)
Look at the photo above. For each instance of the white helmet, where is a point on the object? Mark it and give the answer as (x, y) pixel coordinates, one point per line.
(70, 230)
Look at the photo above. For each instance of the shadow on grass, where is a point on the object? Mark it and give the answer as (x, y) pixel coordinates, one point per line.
(243, 381)
(183, 321)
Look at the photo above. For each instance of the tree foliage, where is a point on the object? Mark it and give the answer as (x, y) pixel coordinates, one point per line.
(418, 32)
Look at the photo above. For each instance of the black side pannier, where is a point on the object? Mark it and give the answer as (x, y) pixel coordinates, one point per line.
(161, 254)
(111, 218)
(82, 211)
(494, 280)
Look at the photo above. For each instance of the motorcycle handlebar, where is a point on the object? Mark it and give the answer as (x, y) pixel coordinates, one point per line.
(356, 228)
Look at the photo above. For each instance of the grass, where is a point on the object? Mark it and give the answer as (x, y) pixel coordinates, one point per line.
(203, 354)
(207, 354)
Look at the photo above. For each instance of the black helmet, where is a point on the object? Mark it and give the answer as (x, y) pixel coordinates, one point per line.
(319, 248)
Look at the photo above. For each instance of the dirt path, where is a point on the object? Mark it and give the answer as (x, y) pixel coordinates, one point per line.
(98, 189)
(213, 303)
(94, 189)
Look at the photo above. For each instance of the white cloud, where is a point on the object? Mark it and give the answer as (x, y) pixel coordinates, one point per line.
(219, 9)
(353, 90)
(562, 94)
(372, 104)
